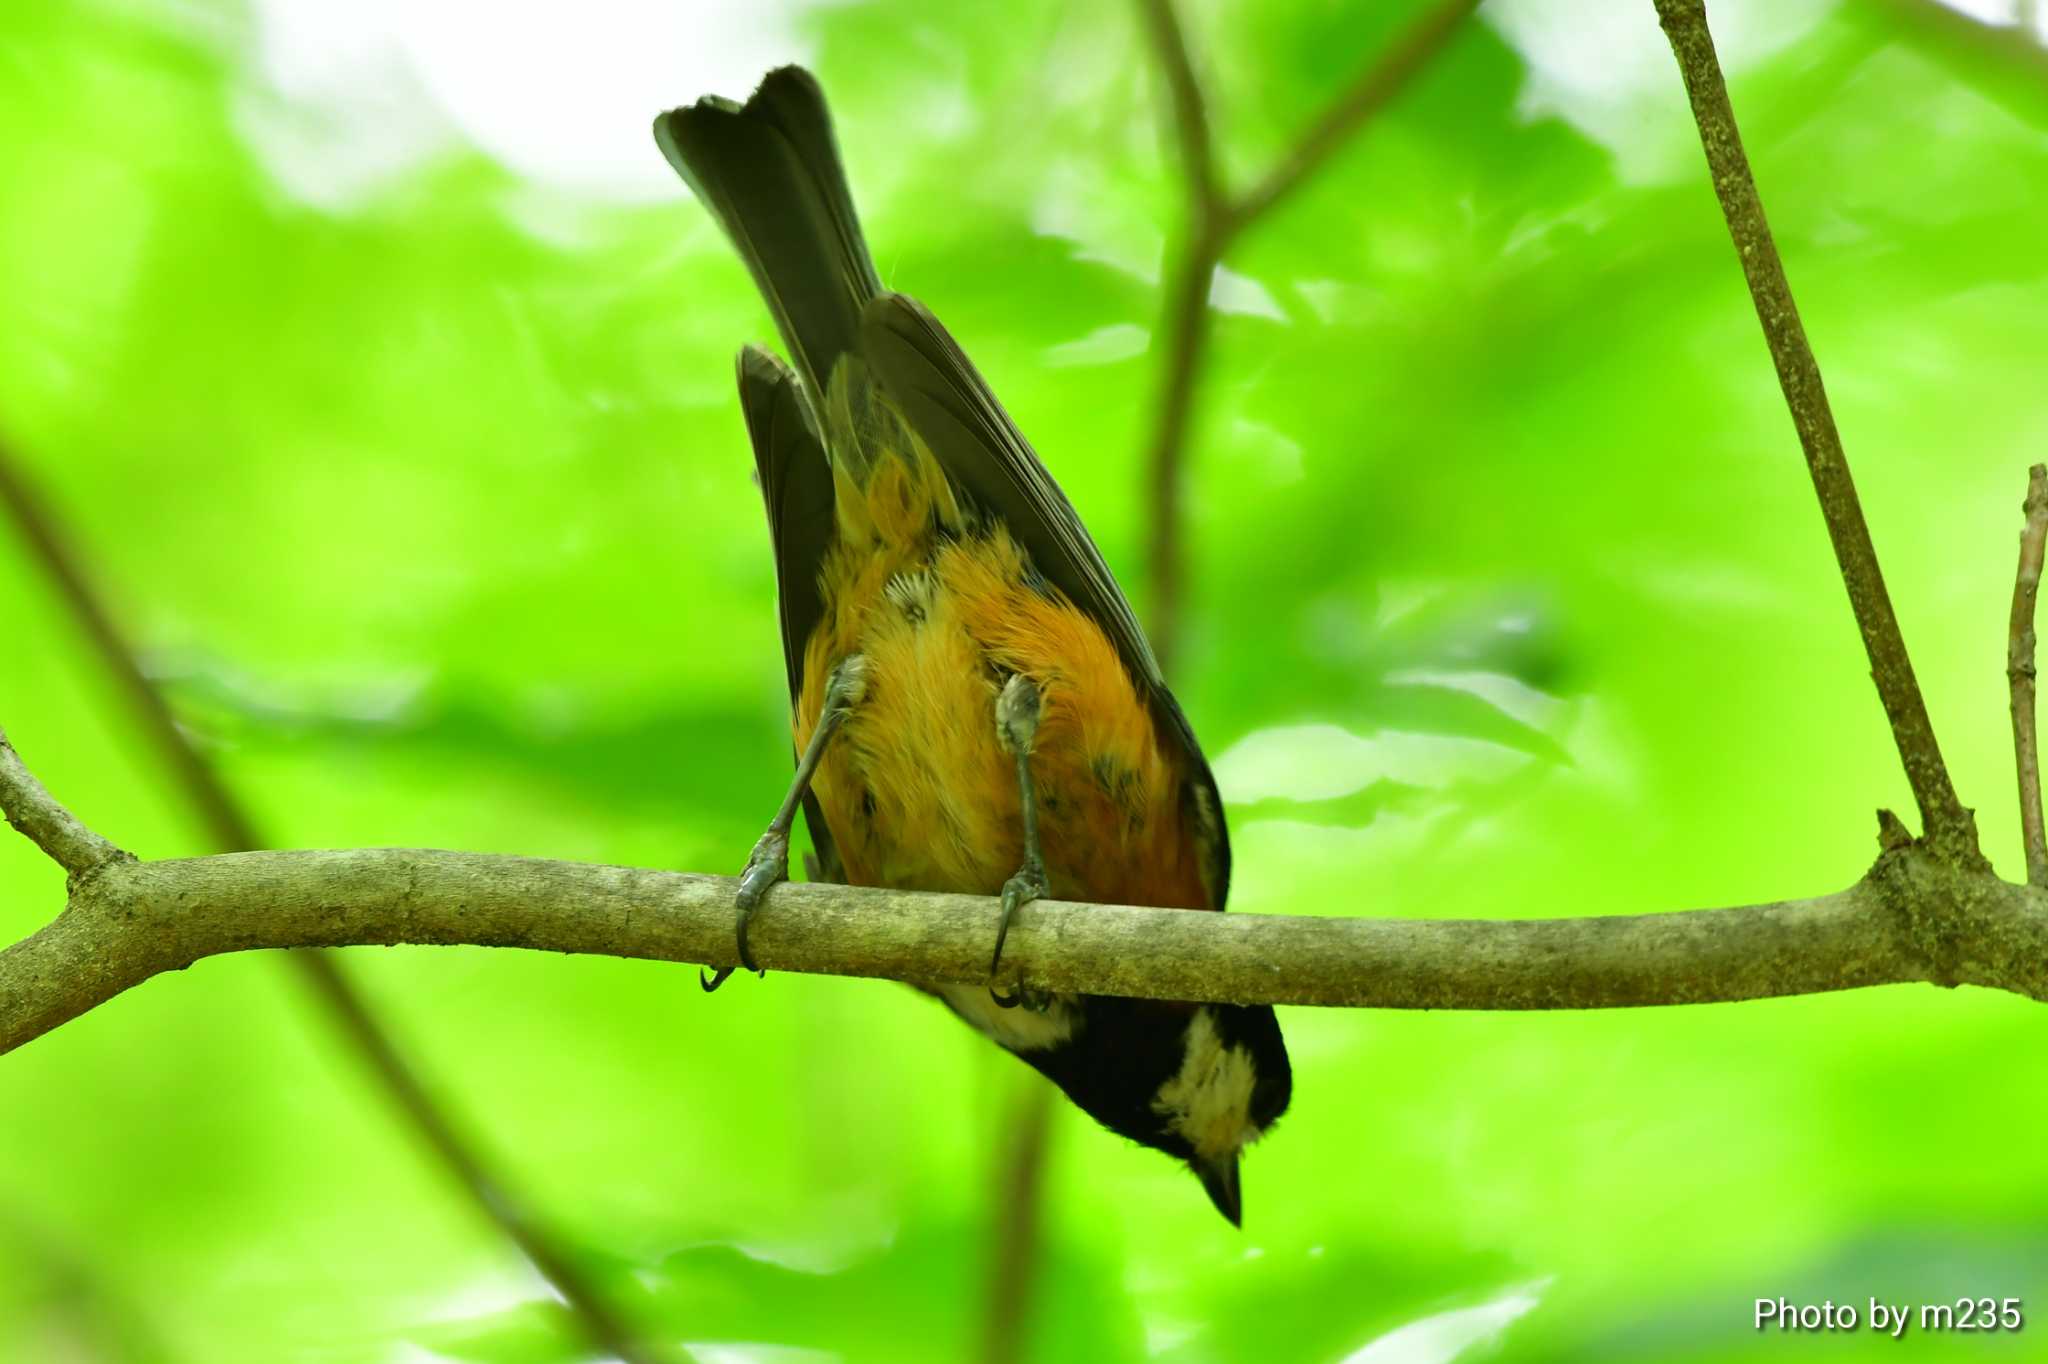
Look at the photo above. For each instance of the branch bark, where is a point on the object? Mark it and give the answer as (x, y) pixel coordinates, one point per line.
(1915, 917)
(2019, 673)
(37, 816)
(1944, 822)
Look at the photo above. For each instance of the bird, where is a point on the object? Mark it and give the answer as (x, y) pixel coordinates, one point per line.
(974, 706)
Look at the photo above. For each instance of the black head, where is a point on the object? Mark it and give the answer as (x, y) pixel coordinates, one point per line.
(1197, 1081)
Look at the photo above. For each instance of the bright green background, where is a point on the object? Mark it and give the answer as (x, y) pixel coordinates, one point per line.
(444, 532)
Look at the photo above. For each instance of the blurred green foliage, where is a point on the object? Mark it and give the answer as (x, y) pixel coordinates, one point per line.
(1510, 599)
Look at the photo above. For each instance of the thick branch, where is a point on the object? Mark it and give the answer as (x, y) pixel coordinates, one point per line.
(1916, 918)
(2019, 673)
(1944, 822)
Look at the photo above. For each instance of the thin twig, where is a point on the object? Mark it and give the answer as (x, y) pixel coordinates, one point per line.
(95, 1316)
(1916, 917)
(1947, 826)
(230, 829)
(1372, 90)
(227, 828)
(44, 822)
(1019, 1197)
(1190, 108)
(1213, 221)
(1185, 328)
(2019, 673)
(1183, 325)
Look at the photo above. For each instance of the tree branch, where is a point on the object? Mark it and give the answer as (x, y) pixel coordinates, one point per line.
(35, 813)
(1018, 1202)
(1372, 90)
(1185, 328)
(1190, 110)
(227, 828)
(2019, 673)
(1213, 221)
(230, 829)
(1915, 917)
(1948, 827)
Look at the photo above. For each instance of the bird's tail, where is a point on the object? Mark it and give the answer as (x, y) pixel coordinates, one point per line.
(769, 171)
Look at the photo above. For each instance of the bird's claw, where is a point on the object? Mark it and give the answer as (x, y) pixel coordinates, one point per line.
(1037, 1001)
(1020, 890)
(766, 866)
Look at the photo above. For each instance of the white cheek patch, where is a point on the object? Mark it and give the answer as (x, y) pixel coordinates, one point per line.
(1018, 1029)
(1209, 1102)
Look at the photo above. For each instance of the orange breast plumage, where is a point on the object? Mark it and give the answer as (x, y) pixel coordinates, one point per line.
(917, 789)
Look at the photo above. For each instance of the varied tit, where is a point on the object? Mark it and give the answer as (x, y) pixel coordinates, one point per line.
(974, 706)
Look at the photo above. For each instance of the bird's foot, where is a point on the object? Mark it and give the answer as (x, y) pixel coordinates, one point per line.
(1020, 890)
(768, 865)
(1034, 1001)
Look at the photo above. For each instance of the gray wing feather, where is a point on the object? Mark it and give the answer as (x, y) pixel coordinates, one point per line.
(796, 486)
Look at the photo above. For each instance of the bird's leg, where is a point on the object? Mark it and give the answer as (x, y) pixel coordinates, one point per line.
(1017, 712)
(769, 862)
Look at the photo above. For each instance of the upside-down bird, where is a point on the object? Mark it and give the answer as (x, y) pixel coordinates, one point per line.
(974, 706)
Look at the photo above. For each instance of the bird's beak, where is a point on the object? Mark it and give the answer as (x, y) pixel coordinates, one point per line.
(1220, 1179)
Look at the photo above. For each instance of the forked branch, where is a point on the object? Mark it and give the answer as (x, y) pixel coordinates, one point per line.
(1215, 219)
(1946, 825)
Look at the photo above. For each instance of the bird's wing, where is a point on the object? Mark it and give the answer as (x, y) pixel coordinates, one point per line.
(949, 405)
(796, 486)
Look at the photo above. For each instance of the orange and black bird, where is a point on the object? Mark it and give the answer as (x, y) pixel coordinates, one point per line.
(973, 704)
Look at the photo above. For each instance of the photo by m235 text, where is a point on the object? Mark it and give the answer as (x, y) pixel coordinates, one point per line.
(1893, 1319)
